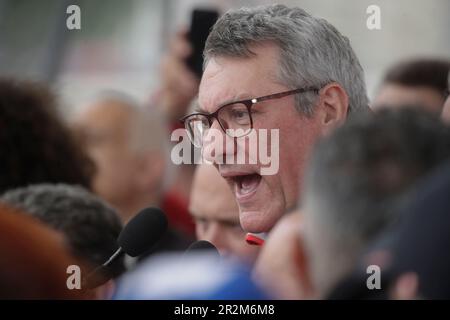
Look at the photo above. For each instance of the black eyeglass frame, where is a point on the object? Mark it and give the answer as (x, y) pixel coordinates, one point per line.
(249, 104)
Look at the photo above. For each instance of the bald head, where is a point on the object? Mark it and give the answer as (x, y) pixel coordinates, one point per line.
(128, 145)
(209, 185)
(216, 214)
(121, 117)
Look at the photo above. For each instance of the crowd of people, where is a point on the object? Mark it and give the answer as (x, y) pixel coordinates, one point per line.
(360, 185)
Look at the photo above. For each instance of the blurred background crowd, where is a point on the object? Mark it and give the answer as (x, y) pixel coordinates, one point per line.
(85, 123)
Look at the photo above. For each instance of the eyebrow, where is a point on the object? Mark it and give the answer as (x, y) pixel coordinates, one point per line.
(236, 98)
(198, 109)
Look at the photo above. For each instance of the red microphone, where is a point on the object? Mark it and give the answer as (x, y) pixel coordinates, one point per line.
(256, 239)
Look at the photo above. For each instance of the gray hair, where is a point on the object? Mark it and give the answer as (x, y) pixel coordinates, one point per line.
(90, 226)
(312, 52)
(359, 178)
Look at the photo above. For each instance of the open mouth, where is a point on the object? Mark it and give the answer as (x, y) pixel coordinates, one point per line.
(246, 185)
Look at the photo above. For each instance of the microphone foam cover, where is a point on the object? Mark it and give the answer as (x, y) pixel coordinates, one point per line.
(203, 246)
(143, 231)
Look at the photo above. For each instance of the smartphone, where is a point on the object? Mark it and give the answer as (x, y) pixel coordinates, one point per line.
(201, 23)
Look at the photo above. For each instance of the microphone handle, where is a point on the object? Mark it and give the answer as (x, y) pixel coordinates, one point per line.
(115, 255)
(95, 278)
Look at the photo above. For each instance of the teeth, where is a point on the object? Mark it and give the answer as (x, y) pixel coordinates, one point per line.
(246, 190)
(246, 184)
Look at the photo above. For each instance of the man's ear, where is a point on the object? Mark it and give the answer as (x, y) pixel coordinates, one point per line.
(333, 106)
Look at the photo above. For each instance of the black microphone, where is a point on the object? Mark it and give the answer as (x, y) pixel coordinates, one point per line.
(203, 246)
(140, 234)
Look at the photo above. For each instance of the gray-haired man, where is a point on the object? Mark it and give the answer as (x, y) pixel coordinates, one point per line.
(310, 81)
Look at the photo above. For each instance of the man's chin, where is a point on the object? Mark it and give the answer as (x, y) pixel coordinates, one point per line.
(255, 221)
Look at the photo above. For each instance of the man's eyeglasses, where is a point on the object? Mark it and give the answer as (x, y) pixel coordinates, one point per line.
(235, 118)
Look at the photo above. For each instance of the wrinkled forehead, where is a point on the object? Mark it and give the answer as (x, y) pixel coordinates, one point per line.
(227, 79)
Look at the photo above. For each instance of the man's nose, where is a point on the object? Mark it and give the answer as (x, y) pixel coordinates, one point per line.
(217, 146)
